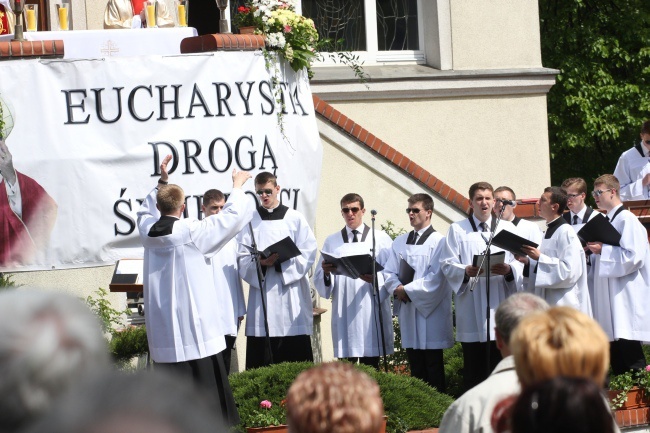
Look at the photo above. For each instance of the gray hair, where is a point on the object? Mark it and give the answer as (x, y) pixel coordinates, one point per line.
(513, 309)
(144, 401)
(48, 341)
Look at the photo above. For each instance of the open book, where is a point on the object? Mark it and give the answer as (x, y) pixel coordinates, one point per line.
(599, 229)
(511, 242)
(352, 266)
(285, 248)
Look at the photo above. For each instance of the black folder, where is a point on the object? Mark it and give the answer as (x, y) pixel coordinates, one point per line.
(285, 248)
(511, 242)
(406, 272)
(351, 266)
(599, 229)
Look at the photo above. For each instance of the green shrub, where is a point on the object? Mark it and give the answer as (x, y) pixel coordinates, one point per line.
(399, 393)
(128, 343)
(6, 281)
(453, 360)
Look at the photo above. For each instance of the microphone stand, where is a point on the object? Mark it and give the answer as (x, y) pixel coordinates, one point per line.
(486, 257)
(375, 289)
(261, 280)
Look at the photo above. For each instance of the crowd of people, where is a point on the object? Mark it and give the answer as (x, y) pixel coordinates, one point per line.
(538, 327)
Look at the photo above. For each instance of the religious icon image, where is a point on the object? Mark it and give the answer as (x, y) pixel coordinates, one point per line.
(27, 212)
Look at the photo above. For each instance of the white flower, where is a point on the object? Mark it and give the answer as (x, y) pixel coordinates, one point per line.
(276, 40)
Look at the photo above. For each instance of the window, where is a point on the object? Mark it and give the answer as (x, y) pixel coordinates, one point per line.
(377, 30)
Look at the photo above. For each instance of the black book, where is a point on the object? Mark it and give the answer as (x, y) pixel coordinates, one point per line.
(599, 229)
(351, 266)
(511, 242)
(406, 272)
(285, 248)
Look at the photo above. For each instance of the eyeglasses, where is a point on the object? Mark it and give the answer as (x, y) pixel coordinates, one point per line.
(599, 192)
(264, 191)
(350, 209)
(573, 195)
(412, 209)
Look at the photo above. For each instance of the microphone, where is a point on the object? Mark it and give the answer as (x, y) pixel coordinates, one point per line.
(507, 202)
(373, 212)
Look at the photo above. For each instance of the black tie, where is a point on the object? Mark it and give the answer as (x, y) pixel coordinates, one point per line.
(607, 216)
(413, 236)
(483, 227)
(354, 235)
(575, 219)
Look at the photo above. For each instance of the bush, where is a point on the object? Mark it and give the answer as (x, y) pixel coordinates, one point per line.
(453, 360)
(398, 393)
(128, 343)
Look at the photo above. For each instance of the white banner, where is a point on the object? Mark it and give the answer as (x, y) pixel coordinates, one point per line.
(88, 137)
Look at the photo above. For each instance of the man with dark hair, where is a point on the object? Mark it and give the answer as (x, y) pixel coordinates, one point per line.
(466, 239)
(557, 270)
(232, 306)
(355, 316)
(633, 168)
(181, 303)
(286, 285)
(472, 412)
(621, 275)
(423, 305)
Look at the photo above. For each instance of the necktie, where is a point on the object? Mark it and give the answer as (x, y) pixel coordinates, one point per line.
(415, 238)
(354, 235)
(483, 227)
(607, 216)
(575, 219)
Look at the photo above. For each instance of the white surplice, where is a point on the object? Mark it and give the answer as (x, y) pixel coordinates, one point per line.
(622, 281)
(461, 244)
(425, 322)
(560, 274)
(531, 231)
(630, 170)
(181, 302)
(288, 297)
(230, 291)
(355, 322)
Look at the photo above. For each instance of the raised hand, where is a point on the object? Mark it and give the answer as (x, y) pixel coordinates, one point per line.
(239, 178)
(164, 175)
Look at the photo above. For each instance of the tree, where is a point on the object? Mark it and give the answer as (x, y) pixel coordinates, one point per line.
(602, 94)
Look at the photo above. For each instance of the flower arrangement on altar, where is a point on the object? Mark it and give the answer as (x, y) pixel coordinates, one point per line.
(292, 35)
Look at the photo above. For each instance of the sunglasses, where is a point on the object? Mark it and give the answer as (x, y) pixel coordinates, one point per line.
(350, 209)
(264, 191)
(599, 192)
(412, 209)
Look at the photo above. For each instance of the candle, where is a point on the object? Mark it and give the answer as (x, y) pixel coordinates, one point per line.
(31, 20)
(63, 18)
(182, 20)
(151, 15)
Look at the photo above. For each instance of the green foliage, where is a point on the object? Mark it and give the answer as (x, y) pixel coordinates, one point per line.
(398, 394)
(624, 383)
(453, 360)
(391, 230)
(129, 342)
(6, 281)
(602, 94)
(101, 306)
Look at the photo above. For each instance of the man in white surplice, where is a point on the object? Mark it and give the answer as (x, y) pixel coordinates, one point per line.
(355, 318)
(230, 291)
(423, 305)
(465, 239)
(633, 168)
(286, 284)
(557, 270)
(621, 280)
(184, 332)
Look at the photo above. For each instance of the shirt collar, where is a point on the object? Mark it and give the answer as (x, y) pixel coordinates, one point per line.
(478, 222)
(613, 210)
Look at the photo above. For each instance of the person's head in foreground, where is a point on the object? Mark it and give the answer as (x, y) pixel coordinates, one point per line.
(561, 341)
(334, 397)
(49, 342)
(562, 405)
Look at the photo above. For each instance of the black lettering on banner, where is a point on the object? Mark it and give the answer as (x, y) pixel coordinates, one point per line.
(99, 106)
(263, 87)
(247, 97)
(69, 106)
(250, 152)
(192, 157)
(156, 157)
(223, 99)
(213, 163)
(196, 92)
(123, 215)
(294, 96)
(283, 88)
(269, 155)
(163, 102)
(132, 103)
